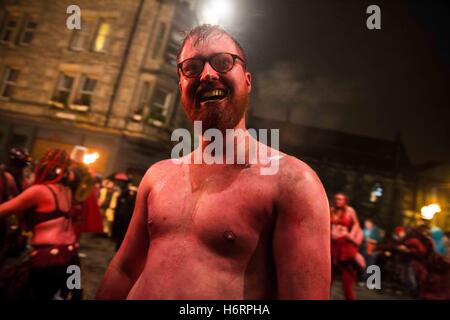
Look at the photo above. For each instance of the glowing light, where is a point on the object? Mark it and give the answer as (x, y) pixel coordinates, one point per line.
(215, 10)
(428, 212)
(90, 158)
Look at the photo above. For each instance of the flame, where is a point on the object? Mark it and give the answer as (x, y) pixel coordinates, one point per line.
(90, 158)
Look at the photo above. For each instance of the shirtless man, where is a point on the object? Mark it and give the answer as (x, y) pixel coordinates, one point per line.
(223, 231)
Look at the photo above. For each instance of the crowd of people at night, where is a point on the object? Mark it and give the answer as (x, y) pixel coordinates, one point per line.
(45, 206)
(413, 260)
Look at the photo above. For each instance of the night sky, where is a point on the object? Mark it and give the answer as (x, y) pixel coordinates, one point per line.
(319, 59)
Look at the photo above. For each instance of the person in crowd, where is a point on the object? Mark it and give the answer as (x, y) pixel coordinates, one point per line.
(124, 207)
(372, 237)
(13, 229)
(439, 240)
(109, 194)
(8, 190)
(82, 183)
(46, 207)
(432, 270)
(346, 237)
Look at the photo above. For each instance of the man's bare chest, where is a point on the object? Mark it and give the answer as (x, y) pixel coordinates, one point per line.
(226, 213)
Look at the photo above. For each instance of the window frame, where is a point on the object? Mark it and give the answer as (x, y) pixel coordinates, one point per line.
(6, 82)
(85, 33)
(75, 92)
(166, 107)
(159, 39)
(26, 29)
(79, 91)
(15, 30)
(142, 104)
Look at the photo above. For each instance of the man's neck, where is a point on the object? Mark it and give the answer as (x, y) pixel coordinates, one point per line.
(235, 141)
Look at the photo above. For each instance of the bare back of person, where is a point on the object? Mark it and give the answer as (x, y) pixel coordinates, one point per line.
(57, 231)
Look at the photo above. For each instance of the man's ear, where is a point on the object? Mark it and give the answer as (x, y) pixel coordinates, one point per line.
(248, 80)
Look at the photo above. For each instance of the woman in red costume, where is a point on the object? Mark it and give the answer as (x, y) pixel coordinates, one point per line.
(46, 206)
(346, 237)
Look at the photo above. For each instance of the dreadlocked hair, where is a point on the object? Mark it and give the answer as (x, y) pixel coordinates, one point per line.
(52, 168)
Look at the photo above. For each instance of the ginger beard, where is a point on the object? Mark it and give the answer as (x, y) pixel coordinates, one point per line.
(223, 114)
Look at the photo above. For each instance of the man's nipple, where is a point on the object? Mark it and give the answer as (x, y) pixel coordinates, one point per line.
(229, 235)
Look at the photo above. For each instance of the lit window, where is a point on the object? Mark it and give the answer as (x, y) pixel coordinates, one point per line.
(28, 32)
(10, 77)
(9, 31)
(160, 105)
(376, 193)
(61, 96)
(142, 103)
(80, 38)
(83, 98)
(102, 38)
(159, 41)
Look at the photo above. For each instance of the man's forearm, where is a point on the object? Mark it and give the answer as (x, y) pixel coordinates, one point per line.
(115, 285)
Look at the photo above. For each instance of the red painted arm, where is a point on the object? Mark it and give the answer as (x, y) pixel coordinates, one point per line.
(301, 243)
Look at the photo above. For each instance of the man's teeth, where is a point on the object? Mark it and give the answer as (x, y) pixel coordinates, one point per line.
(213, 93)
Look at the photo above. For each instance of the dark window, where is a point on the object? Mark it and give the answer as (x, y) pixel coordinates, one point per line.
(160, 106)
(28, 31)
(9, 30)
(80, 38)
(85, 91)
(173, 46)
(144, 98)
(9, 81)
(62, 92)
(159, 41)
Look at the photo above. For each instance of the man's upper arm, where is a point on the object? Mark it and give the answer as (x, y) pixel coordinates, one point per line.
(302, 235)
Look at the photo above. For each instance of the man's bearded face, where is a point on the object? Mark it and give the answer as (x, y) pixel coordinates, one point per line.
(198, 96)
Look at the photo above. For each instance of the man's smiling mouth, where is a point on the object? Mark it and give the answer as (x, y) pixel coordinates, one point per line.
(212, 95)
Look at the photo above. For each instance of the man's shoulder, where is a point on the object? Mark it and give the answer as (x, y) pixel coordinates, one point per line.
(293, 169)
(298, 180)
(159, 170)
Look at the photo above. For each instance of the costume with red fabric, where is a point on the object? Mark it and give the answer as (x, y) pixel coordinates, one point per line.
(343, 252)
(342, 249)
(88, 215)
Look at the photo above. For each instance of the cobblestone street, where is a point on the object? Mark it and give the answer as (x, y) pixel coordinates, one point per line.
(100, 250)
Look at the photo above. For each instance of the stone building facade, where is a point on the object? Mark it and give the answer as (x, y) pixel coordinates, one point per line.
(110, 86)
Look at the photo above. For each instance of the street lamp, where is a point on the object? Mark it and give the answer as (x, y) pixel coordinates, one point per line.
(428, 212)
(215, 10)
